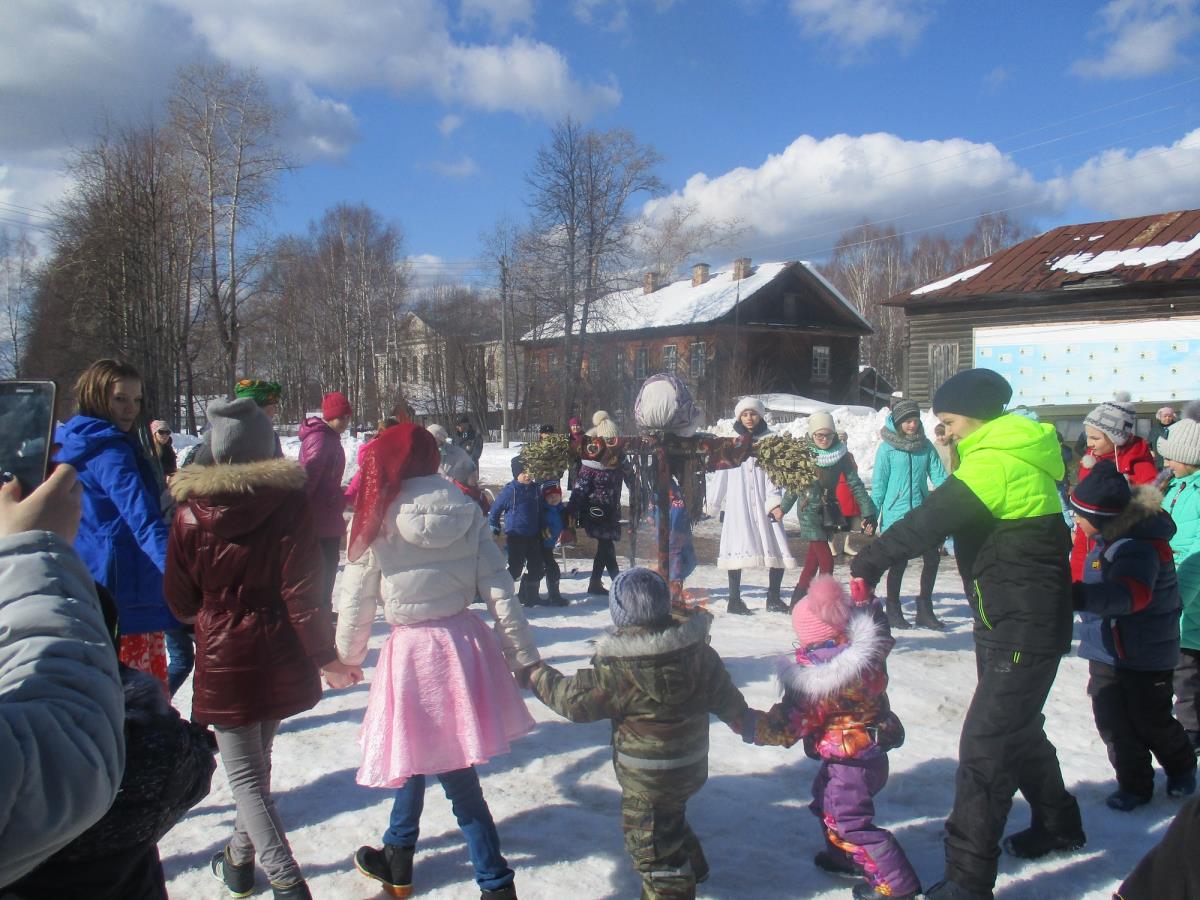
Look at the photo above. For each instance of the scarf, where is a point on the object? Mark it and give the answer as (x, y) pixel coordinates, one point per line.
(830, 457)
(759, 430)
(909, 443)
(400, 452)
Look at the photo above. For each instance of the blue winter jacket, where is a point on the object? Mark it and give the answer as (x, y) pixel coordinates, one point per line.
(552, 522)
(122, 535)
(521, 507)
(900, 481)
(1129, 595)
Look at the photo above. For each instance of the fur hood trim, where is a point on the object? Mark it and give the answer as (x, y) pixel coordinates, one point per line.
(1146, 503)
(239, 478)
(866, 646)
(641, 641)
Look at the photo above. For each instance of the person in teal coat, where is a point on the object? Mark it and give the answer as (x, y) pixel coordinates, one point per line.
(1180, 450)
(904, 465)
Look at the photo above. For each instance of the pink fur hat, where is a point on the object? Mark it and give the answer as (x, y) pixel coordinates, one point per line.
(822, 614)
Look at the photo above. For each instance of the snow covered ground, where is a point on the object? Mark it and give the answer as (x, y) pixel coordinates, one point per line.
(556, 801)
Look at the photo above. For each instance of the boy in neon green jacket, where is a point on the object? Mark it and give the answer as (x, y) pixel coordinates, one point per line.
(1003, 510)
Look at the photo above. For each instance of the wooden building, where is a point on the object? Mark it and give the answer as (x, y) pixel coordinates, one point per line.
(777, 327)
(1069, 317)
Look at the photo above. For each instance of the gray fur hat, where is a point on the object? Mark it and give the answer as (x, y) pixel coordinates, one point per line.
(639, 596)
(240, 431)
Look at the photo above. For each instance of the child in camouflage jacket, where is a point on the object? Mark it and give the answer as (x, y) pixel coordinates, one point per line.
(658, 680)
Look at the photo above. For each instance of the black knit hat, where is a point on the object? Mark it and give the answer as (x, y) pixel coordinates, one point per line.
(903, 410)
(976, 393)
(1103, 494)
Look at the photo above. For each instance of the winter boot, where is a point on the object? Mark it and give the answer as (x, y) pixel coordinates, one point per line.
(925, 616)
(735, 605)
(864, 890)
(837, 861)
(392, 866)
(1035, 842)
(297, 890)
(238, 880)
(1181, 785)
(554, 596)
(774, 604)
(952, 890)
(528, 594)
(595, 586)
(895, 617)
(1123, 801)
(508, 892)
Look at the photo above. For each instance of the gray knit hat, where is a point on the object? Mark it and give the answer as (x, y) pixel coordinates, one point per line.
(240, 431)
(903, 410)
(1115, 419)
(639, 596)
(1181, 443)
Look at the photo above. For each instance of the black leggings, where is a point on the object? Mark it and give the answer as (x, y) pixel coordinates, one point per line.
(929, 569)
(605, 558)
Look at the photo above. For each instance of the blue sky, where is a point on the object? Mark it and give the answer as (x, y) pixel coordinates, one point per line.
(797, 118)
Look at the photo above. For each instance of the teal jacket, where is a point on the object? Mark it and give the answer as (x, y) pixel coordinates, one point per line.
(900, 482)
(1182, 501)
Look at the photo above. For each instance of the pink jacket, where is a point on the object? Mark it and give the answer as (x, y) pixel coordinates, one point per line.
(324, 460)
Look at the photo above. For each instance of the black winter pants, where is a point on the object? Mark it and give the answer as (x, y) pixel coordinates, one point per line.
(1187, 690)
(550, 566)
(1003, 748)
(929, 569)
(605, 559)
(1133, 716)
(524, 554)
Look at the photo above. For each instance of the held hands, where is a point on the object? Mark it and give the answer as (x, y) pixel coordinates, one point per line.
(339, 675)
(524, 676)
(55, 505)
(776, 514)
(869, 523)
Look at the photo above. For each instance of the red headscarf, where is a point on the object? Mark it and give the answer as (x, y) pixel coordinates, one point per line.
(400, 452)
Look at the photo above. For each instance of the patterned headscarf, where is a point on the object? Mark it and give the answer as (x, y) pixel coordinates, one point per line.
(403, 451)
(264, 393)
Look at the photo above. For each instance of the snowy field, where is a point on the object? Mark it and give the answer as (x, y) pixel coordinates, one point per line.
(556, 800)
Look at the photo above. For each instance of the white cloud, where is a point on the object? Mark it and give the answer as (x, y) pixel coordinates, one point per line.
(499, 15)
(853, 24)
(613, 15)
(449, 124)
(994, 79)
(319, 127)
(799, 201)
(1120, 183)
(1144, 37)
(463, 167)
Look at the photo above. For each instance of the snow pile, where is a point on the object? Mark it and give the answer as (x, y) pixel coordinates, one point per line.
(952, 279)
(351, 441)
(1085, 263)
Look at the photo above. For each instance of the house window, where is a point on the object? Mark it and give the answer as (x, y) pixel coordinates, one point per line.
(425, 368)
(551, 362)
(619, 364)
(641, 363)
(403, 369)
(670, 357)
(943, 362)
(416, 368)
(696, 360)
(820, 364)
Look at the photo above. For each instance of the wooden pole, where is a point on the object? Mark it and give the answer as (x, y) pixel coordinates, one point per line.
(664, 509)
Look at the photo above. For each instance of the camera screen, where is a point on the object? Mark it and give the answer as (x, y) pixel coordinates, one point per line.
(25, 414)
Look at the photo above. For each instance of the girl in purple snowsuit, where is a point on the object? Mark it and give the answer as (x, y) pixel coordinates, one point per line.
(835, 701)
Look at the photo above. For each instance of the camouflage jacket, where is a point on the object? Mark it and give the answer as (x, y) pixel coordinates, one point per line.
(658, 687)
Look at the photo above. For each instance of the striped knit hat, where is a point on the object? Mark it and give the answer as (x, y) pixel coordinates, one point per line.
(1115, 419)
(1103, 494)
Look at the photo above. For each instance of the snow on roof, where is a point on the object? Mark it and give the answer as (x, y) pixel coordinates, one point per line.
(678, 303)
(953, 279)
(816, 273)
(1086, 263)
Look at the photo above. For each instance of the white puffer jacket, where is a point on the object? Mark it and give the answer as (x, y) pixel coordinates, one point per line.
(432, 557)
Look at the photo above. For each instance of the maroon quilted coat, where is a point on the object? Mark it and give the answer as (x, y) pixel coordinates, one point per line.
(243, 562)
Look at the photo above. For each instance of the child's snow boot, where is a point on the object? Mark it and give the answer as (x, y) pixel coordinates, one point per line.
(925, 616)
(297, 890)
(238, 879)
(1181, 785)
(837, 861)
(895, 617)
(1035, 842)
(508, 892)
(392, 866)
(864, 890)
(1123, 801)
(528, 592)
(952, 890)
(554, 597)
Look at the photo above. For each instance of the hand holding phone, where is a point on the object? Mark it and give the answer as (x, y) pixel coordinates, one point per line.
(26, 430)
(55, 506)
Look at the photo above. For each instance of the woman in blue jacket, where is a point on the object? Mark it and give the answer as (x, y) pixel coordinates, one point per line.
(123, 536)
(904, 465)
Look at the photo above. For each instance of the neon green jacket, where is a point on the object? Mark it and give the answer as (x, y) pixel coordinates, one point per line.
(1012, 545)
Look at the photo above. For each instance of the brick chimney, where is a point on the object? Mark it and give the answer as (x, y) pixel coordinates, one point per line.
(649, 282)
(741, 268)
(699, 274)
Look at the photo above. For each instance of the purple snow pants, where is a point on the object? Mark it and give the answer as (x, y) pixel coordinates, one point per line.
(843, 793)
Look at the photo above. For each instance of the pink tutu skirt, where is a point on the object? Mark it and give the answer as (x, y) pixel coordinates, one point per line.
(442, 699)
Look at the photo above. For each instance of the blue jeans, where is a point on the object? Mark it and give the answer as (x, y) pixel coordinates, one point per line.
(181, 657)
(474, 818)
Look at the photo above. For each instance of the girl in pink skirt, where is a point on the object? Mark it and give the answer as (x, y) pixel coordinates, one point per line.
(443, 697)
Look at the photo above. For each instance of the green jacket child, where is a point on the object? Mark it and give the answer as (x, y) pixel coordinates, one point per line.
(658, 680)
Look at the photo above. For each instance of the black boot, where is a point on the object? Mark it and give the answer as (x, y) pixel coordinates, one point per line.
(238, 880)
(952, 890)
(392, 866)
(774, 604)
(553, 596)
(925, 616)
(735, 605)
(1034, 843)
(508, 892)
(894, 616)
(528, 594)
(864, 890)
(836, 861)
(297, 890)
(595, 586)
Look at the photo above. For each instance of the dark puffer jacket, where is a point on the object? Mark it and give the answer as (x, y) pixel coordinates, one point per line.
(1129, 596)
(244, 563)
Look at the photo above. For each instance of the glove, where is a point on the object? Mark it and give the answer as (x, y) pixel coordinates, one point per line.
(495, 529)
(861, 593)
(869, 523)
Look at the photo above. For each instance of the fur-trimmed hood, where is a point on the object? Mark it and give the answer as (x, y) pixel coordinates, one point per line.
(1141, 518)
(640, 641)
(666, 664)
(820, 677)
(240, 478)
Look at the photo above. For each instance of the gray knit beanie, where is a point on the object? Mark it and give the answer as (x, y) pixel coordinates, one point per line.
(639, 596)
(903, 410)
(240, 431)
(1115, 419)
(1181, 443)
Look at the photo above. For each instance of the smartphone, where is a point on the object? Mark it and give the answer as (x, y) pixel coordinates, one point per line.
(26, 431)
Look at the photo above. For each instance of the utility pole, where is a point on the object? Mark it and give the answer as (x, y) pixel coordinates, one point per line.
(504, 352)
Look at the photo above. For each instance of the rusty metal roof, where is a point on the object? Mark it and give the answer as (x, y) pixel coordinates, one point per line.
(1160, 248)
